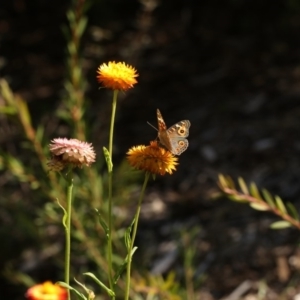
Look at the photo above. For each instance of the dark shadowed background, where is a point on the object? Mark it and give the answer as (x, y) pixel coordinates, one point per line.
(231, 67)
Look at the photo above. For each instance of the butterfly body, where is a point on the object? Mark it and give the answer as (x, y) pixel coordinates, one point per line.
(173, 138)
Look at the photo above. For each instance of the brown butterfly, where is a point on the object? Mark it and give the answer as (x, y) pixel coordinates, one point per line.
(173, 138)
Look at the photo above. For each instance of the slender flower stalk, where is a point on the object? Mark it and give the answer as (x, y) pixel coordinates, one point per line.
(118, 77)
(110, 183)
(112, 122)
(69, 153)
(136, 219)
(68, 228)
(153, 160)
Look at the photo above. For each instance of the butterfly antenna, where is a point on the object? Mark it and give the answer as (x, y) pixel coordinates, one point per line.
(152, 126)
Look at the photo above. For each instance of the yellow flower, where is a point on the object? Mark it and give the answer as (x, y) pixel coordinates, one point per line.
(70, 151)
(153, 159)
(117, 76)
(47, 291)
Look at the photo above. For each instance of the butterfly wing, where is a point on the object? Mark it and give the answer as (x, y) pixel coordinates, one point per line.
(177, 134)
(180, 129)
(163, 134)
(174, 138)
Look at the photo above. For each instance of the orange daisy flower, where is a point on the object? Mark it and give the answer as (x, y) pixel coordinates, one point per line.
(117, 76)
(46, 291)
(153, 159)
(70, 151)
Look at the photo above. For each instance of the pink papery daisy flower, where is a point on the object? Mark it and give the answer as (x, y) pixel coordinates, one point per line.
(70, 152)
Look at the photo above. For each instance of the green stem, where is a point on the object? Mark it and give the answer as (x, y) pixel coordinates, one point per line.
(110, 183)
(68, 229)
(136, 220)
(109, 242)
(112, 122)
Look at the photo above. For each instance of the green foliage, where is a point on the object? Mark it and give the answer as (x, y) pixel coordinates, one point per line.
(156, 288)
(79, 294)
(103, 224)
(280, 225)
(266, 202)
(108, 159)
(42, 193)
(189, 250)
(46, 191)
(101, 284)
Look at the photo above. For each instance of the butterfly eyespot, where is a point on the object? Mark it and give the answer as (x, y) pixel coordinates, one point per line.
(173, 138)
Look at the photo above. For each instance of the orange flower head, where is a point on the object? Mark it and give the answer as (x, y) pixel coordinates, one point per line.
(70, 151)
(117, 76)
(47, 291)
(152, 159)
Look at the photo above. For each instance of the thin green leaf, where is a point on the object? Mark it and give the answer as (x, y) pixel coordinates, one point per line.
(107, 159)
(89, 292)
(1, 162)
(64, 219)
(280, 205)
(280, 225)
(16, 167)
(230, 183)
(101, 284)
(72, 48)
(8, 110)
(120, 271)
(260, 206)
(81, 26)
(292, 210)
(133, 250)
(122, 267)
(254, 191)
(268, 197)
(238, 198)
(71, 16)
(40, 133)
(103, 224)
(24, 113)
(222, 181)
(243, 186)
(80, 295)
(77, 73)
(127, 235)
(7, 93)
